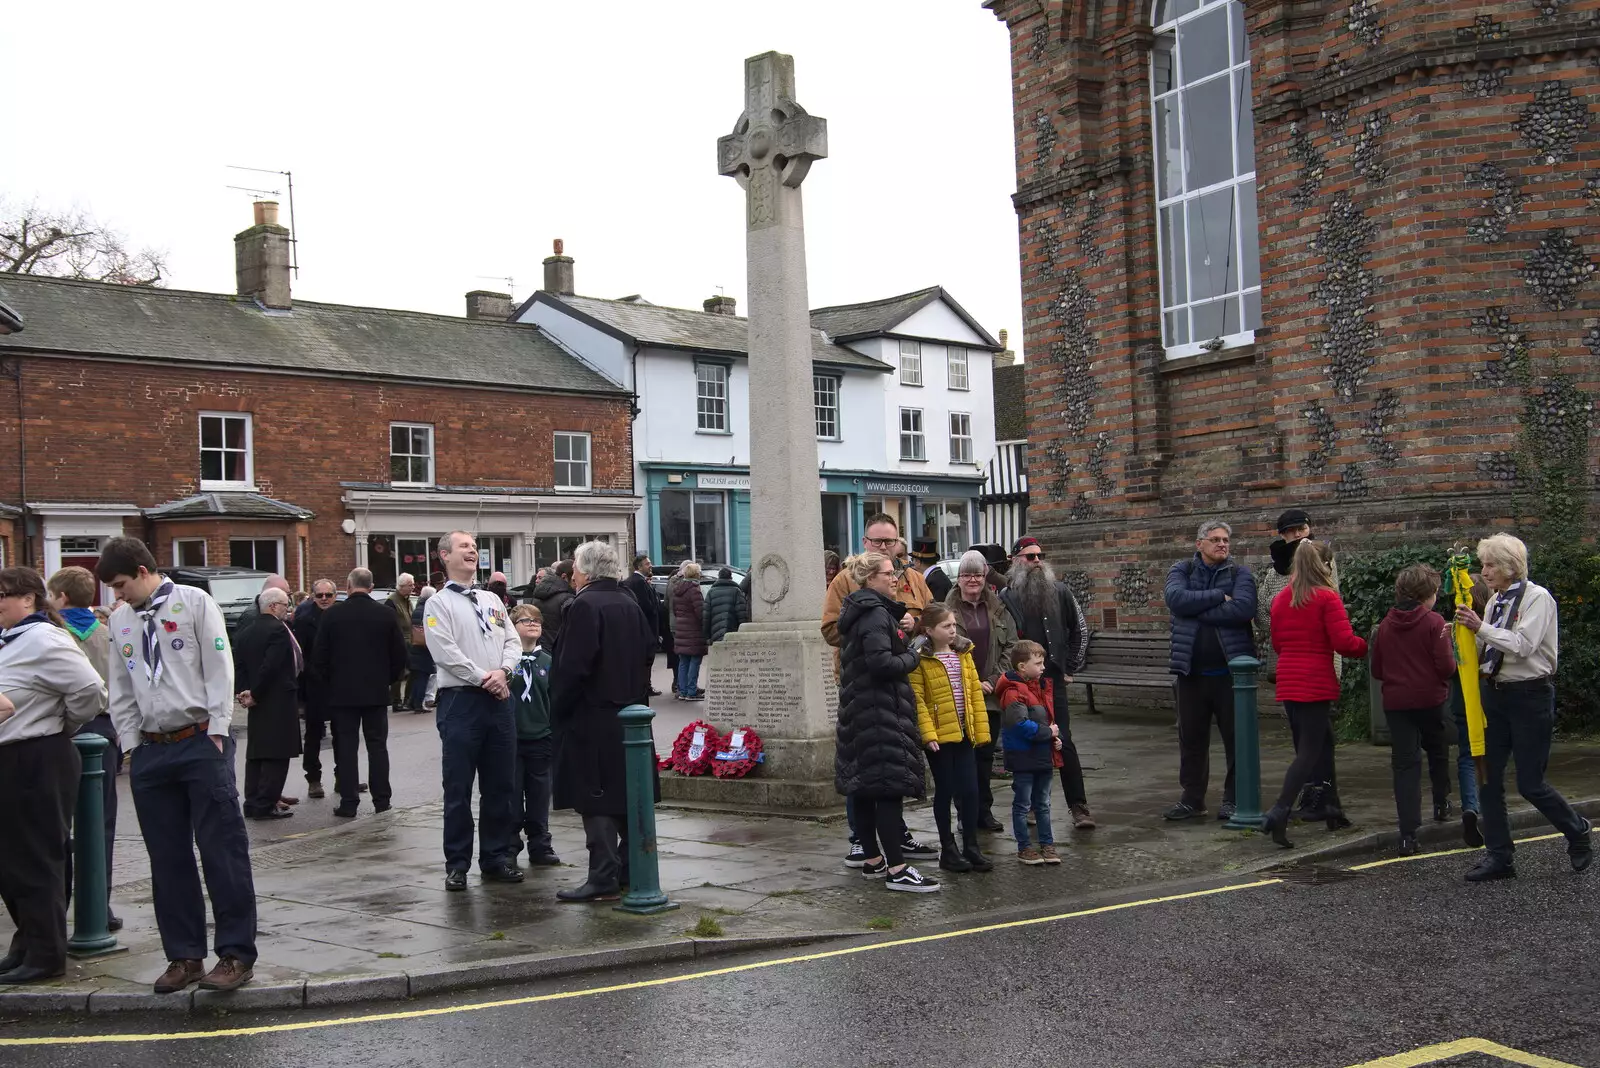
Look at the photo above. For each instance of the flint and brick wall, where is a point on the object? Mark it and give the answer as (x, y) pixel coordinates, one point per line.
(1428, 181)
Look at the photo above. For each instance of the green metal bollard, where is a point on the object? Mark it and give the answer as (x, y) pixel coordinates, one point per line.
(1247, 814)
(644, 894)
(90, 936)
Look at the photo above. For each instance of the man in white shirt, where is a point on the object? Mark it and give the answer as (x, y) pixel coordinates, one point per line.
(172, 704)
(1517, 649)
(475, 648)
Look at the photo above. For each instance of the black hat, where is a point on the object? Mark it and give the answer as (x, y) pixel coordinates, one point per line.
(925, 549)
(1294, 517)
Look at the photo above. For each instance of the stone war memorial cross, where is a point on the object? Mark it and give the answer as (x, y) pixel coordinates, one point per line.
(776, 672)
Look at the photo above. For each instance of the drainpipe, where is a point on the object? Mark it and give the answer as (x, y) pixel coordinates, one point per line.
(13, 367)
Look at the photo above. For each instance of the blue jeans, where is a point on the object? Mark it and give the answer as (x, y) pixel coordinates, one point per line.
(1466, 767)
(478, 736)
(1520, 718)
(185, 796)
(1031, 789)
(687, 679)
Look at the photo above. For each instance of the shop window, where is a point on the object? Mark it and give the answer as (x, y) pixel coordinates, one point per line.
(711, 397)
(694, 526)
(189, 552)
(410, 454)
(960, 438)
(260, 554)
(550, 549)
(494, 554)
(945, 522)
(572, 460)
(225, 452)
(912, 444)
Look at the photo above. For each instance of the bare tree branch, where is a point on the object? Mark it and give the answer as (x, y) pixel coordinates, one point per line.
(71, 244)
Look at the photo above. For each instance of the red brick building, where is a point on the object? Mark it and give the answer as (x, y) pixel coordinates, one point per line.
(297, 437)
(1331, 254)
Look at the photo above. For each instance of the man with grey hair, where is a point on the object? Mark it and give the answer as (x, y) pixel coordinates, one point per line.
(267, 662)
(360, 653)
(475, 649)
(601, 666)
(1212, 602)
(313, 687)
(253, 613)
(400, 604)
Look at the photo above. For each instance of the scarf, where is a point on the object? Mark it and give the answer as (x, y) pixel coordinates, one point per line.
(150, 641)
(80, 621)
(471, 594)
(1503, 614)
(11, 634)
(525, 668)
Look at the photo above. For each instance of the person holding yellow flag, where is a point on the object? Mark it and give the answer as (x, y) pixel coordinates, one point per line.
(1517, 649)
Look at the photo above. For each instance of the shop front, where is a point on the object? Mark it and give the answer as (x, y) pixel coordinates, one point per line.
(940, 510)
(704, 514)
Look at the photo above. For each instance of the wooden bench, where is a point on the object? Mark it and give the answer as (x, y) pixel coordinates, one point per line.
(1118, 658)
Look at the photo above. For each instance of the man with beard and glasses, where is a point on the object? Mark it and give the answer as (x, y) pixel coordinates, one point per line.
(1294, 526)
(1047, 613)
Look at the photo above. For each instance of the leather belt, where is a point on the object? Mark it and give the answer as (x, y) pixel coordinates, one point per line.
(178, 735)
(1506, 684)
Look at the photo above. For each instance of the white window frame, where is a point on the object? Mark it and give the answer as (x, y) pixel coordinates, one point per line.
(915, 437)
(409, 427)
(587, 461)
(1238, 74)
(282, 563)
(963, 420)
(249, 482)
(911, 363)
(710, 408)
(964, 380)
(835, 384)
(177, 560)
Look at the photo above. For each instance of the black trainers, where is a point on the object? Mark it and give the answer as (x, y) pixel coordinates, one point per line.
(1182, 811)
(1443, 811)
(1581, 850)
(1469, 828)
(912, 881)
(875, 869)
(856, 857)
(913, 848)
(1226, 810)
(1488, 869)
(1409, 846)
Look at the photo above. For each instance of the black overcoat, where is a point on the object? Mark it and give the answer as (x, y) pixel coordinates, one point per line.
(263, 663)
(879, 748)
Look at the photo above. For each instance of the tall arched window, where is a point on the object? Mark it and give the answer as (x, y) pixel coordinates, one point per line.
(1205, 175)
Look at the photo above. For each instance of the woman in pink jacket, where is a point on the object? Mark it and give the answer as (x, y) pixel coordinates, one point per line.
(1309, 625)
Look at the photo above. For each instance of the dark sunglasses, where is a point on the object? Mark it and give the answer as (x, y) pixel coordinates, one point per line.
(324, 596)
(1030, 556)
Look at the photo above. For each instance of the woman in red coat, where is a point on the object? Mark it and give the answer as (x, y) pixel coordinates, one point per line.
(1309, 625)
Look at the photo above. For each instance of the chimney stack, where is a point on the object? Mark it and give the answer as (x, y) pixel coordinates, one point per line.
(720, 305)
(558, 272)
(482, 304)
(261, 258)
(1006, 358)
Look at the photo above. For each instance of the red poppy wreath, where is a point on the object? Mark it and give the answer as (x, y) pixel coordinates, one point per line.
(695, 750)
(742, 754)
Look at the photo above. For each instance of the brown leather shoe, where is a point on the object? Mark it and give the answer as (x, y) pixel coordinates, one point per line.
(179, 974)
(230, 974)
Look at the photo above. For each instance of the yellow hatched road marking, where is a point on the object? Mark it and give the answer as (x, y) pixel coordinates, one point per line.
(1445, 1051)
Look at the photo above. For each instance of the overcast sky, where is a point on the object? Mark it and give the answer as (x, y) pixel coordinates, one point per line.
(432, 144)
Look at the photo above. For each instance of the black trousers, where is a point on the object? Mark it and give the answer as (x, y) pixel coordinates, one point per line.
(318, 723)
(607, 839)
(531, 805)
(38, 785)
(350, 725)
(955, 778)
(1411, 732)
(263, 785)
(1519, 718)
(881, 820)
(1201, 699)
(1312, 724)
(1071, 767)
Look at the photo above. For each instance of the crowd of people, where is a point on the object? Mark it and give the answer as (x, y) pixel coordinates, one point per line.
(527, 700)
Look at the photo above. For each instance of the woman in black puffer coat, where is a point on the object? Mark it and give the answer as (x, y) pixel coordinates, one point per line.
(878, 759)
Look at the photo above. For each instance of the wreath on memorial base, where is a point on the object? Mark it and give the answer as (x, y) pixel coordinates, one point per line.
(682, 762)
(736, 763)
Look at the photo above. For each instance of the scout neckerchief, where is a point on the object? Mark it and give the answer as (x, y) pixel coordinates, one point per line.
(471, 594)
(1503, 613)
(525, 668)
(24, 624)
(151, 643)
(80, 621)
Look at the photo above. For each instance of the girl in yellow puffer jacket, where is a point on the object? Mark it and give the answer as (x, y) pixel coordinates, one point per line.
(953, 722)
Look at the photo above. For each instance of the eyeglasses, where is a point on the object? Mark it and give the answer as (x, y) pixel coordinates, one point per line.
(1030, 556)
(970, 578)
(1217, 541)
(891, 573)
(883, 542)
(10, 593)
(324, 596)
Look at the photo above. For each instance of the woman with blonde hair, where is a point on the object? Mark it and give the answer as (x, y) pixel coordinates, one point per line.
(1309, 625)
(1517, 650)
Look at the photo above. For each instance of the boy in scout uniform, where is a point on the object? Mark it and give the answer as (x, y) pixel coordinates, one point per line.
(171, 704)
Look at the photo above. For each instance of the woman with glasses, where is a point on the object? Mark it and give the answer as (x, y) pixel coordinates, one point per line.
(878, 759)
(49, 690)
(983, 620)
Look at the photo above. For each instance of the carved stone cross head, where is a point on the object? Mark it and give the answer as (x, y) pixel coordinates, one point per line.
(775, 141)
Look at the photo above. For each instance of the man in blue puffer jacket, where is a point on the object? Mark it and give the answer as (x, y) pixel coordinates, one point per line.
(1213, 604)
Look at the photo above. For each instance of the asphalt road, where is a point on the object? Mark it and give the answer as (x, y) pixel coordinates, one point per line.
(1335, 969)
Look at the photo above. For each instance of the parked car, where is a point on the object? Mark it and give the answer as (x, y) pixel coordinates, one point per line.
(233, 588)
(708, 575)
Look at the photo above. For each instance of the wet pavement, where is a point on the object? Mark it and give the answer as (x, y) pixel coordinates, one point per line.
(1349, 969)
(365, 898)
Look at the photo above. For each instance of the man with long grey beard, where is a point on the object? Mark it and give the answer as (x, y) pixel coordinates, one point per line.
(1047, 613)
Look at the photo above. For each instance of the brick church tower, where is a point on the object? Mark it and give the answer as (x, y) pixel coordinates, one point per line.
(1337, 255)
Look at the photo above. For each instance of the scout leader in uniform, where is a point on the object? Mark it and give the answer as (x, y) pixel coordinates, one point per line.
(172, 703)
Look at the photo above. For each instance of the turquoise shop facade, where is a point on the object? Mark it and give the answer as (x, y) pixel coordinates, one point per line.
(702, 512)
